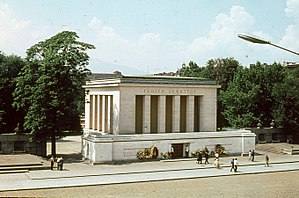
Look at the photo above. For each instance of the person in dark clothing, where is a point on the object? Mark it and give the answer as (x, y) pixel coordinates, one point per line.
(52, 162)
(267, 161)
(252, 155)
(199, 158)
(232, 165)
(207, 158)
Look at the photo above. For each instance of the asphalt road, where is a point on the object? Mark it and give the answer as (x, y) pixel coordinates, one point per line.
(274, 185)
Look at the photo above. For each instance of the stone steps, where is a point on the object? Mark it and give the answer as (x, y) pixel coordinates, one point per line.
(21, 168)
(268, 148)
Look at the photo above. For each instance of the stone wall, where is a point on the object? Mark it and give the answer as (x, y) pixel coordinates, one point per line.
(20, 143)
(267, 135)
(106, 148)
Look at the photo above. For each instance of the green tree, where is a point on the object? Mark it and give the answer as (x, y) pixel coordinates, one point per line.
(10, 66)
(248, 99)
(50, 86)
(286, 102)
(221, 70)
(190, 70)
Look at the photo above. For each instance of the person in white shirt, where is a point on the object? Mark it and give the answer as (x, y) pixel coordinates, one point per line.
(236, 165)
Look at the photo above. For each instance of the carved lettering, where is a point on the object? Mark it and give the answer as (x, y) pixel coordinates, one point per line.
(169, 91)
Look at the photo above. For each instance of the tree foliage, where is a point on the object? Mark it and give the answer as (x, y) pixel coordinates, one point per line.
(286, 101)
(50, 85)
(191, 70)
(222, 70)
(10, 66)
(248, 99)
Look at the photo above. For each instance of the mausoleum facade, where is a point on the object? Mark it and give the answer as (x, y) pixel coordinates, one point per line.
(126, 114)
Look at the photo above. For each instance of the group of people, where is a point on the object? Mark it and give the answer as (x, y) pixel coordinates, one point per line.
(234, 162)
(234, 165)
(59, 162)
(200, 155)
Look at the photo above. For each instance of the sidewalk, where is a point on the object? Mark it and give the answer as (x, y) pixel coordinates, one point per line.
(84, 170)
(79, 174)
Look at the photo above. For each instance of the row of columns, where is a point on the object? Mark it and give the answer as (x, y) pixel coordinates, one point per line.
(166, 114)
(100, 113)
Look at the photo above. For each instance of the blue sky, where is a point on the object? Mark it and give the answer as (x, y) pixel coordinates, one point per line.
(150, 36)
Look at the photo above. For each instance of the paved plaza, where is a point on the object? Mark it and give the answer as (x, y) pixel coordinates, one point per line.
(77, 173)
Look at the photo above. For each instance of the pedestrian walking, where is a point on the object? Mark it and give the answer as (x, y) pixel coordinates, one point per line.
(187, 151)
(252, 155)
(217, 163)
(199, 158)
(249, 155)
(60, 163)
(172, 152)
(232, 165)
(206, 158)
(52, 162)
(235, 164)
(217, 155)
(267, 161)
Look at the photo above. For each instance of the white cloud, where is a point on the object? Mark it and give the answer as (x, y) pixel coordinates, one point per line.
(148, 53)
(290, 39)
(150, 50)
(11, 29)
(292, 9)
(95, 23)
(222, 35)
(17, 35)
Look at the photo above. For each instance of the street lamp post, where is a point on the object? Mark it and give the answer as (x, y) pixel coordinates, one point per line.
(255, 39)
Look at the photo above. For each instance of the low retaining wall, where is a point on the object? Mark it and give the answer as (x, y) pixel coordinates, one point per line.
(20, 143)
(100, 148)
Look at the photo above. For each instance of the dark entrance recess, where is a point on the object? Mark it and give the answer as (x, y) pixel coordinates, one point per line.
(178, 150)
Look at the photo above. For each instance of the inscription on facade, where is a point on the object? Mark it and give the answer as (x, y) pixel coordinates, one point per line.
(169, 91)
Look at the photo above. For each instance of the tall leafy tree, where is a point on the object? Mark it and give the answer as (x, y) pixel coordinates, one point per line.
(50, 86)
(286, 102)
(222, 70)
(191, 70)
(10, 66)
(248, 99)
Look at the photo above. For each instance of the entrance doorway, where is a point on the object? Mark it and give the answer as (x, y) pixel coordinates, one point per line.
(178, 150)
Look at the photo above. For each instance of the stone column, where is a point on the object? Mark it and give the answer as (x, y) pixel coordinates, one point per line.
(161, 114)
(87, 112)
(190, 114)
(91, 111)
(146, 114)
(104, 113)
(109, 114)
(99, 113)
(176, 114)
(94, 112)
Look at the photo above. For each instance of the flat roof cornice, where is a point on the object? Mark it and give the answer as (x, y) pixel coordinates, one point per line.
(150, 80)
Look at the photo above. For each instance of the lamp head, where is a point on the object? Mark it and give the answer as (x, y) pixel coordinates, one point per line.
(253, 39)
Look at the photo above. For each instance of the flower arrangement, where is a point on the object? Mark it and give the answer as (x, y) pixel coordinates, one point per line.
(148, 153)
(166, 155)
(220, 149)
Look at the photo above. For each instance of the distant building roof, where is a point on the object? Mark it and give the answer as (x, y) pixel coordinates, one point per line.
(97, 76)
(290, 64)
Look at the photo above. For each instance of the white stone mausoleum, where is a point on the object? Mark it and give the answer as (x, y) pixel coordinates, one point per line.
(126, 114)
